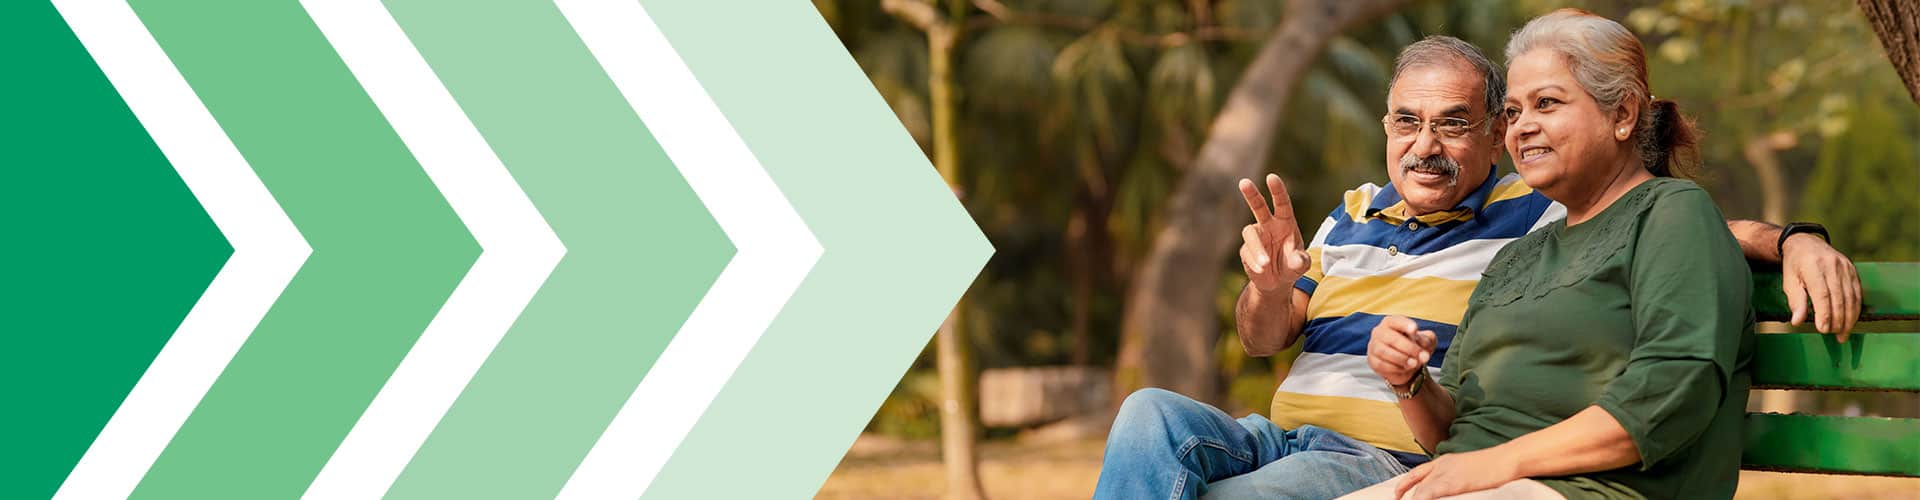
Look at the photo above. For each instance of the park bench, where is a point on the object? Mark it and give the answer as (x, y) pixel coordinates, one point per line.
(1879, 360)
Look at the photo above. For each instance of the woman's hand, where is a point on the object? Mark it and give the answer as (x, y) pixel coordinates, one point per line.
(1399, 349)
(1459, 473)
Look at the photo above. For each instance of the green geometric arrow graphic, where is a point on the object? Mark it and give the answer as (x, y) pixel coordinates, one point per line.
(641, 249)
(899, 248)
(104, 251)
(387, 250)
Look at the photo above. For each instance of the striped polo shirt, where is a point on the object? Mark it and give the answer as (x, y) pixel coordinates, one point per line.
(1372, 258)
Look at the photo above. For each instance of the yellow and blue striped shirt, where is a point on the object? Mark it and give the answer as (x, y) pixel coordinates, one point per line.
(1371, 259)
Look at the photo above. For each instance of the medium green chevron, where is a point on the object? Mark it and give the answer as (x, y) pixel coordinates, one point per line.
(387, 250)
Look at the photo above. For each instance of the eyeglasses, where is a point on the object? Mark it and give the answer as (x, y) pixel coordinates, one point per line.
(1403, 126)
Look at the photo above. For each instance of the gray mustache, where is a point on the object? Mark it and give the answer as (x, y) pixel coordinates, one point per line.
(1436, 162)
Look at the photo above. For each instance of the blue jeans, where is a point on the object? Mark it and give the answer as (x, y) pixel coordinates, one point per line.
(1164, 445)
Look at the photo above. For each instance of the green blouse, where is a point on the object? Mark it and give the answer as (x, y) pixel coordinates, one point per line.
(1641, 310)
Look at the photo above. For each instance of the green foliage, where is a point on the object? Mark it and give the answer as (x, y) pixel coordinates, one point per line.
(913, 410)
(1016, 82)
(1250, 380)
(1864, 186)
(1810, 79)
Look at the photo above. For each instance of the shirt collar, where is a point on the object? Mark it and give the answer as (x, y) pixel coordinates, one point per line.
(1387, 205)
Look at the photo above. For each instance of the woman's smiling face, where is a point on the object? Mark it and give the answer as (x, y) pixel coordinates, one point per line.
(1561, 140)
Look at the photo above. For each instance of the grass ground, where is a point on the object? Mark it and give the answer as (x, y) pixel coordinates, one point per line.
(879, 467)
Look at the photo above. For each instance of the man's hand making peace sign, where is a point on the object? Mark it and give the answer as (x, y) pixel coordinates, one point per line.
(1272, 252)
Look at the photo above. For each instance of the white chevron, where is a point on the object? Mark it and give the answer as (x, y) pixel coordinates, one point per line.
(267, 250)
(775, 249)
(519, 250)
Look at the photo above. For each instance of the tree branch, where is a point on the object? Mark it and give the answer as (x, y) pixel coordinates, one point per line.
(918, 13)
(999, 13)
(1169, 328)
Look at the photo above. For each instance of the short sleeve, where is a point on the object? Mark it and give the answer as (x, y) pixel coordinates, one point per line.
(1689, 288)
(1317, 270)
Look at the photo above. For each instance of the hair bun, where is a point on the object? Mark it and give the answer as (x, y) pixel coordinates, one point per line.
(1672, 149)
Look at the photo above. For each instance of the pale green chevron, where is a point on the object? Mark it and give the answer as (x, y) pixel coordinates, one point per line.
(387, 250)
(641, 249)
(899, 248)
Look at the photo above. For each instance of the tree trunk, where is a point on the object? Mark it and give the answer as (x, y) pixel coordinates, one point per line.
(1081, 272)
(1897, 24)
(959, 414)
(1169, 331)
(1089, 264)
(959, 409)
(1760, 153)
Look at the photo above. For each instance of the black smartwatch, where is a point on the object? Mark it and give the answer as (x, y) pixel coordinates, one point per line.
(1799, 228)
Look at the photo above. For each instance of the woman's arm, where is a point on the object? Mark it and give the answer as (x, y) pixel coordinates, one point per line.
(1589, 441)
(1398, 352)
(1429, 412)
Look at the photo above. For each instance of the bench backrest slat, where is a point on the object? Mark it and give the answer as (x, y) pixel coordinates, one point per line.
(1823, 444)
(1866, 362)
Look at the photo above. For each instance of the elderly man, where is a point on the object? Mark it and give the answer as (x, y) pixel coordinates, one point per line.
(1414, 248)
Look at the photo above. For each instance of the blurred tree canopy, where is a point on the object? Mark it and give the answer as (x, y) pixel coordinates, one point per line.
(1079, 117)
(1805, 117)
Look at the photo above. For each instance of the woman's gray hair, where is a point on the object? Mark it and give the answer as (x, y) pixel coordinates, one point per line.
(1608, 61)
(1442, 50)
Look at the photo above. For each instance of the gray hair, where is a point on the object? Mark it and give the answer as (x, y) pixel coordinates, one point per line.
(1442, 50)
(1610, 64)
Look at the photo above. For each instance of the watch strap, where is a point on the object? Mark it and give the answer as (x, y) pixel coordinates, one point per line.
(1794, 228)
(1413, 386)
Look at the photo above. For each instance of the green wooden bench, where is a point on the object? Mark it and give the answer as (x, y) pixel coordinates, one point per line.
(1867, 362)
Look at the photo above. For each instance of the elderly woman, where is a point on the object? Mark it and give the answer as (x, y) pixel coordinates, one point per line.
(1603, 356)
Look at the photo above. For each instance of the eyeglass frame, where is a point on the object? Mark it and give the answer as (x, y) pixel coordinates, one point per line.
(1387, 123)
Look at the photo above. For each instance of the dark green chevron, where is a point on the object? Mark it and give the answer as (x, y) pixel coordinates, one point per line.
(102, 250)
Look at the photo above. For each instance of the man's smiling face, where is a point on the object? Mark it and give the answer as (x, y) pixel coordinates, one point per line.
(1432, 171)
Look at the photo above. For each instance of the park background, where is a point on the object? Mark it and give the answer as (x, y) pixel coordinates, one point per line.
(1095, 142)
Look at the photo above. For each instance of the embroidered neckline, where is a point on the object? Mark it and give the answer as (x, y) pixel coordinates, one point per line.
(1511, 276)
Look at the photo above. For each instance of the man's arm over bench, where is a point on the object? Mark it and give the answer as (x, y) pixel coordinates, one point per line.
(1812, 272)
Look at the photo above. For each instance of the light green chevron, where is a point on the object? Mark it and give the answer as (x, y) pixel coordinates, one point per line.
(104, 250)
(899, 248)
(641, 249)
(387, 250)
